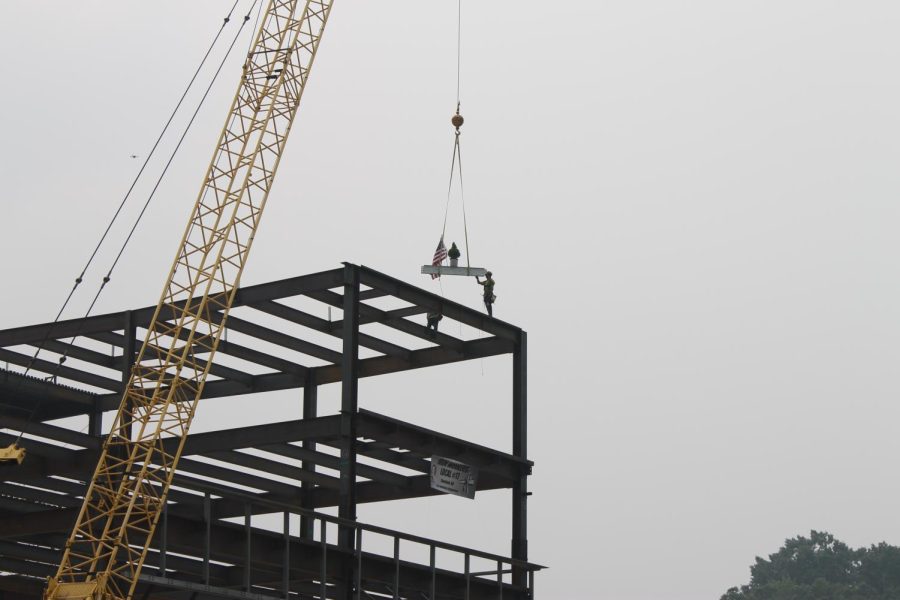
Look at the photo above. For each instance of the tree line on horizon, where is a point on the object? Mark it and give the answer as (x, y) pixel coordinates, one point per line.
(821, 567)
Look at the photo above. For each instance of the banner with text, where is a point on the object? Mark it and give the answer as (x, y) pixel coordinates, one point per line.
(452, 477)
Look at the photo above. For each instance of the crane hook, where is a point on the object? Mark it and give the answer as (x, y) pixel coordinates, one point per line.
(457, 119)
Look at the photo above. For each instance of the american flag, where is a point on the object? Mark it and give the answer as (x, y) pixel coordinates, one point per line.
(440, 255)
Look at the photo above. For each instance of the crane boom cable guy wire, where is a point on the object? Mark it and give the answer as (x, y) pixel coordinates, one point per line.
(106, 279)
(180, 141)
(134, 182)
(162, 133)
(108, 276)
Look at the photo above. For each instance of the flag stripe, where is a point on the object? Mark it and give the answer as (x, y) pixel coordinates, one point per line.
(440, 255)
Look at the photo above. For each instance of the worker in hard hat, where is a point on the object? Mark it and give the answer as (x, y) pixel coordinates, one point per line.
(489, 297)
(434, 317)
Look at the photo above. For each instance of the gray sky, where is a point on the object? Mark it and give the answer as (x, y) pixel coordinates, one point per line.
(690, 206)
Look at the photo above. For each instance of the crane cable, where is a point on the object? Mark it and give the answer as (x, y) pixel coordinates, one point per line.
(175, 151)
(124, 200)
(456, 158)
(106, 279)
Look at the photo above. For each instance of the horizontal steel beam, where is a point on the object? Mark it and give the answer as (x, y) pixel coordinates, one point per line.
(334, 329)
(53, 432)
(285, 288)
(44, 460)
(427, 357)
(75, 351)
(225, 347)
(52, 368)
(12, 382)
(259, 435)
(368, 367)
(226, 388)
(35, 334)
(426, 442)
(266, 465)
(282, 339)
(393, 319)
(419, 487)
(333, 462)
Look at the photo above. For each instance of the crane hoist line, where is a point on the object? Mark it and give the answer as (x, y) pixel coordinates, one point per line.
(106, 549)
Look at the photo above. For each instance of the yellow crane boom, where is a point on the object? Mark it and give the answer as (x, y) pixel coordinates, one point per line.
(108, 544)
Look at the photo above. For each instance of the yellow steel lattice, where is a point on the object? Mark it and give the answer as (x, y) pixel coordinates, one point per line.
(107, 547)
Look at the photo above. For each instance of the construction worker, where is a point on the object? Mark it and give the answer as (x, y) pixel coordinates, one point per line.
(489, 296)
(434, 317)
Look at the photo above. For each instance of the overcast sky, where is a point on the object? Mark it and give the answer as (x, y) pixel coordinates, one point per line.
(690, 206)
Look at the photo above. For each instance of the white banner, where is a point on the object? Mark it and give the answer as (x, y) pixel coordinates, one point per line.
(452, 477)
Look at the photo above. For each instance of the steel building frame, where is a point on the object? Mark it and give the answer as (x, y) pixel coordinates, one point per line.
(208, 545)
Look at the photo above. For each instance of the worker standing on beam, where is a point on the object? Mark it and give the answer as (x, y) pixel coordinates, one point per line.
(434, 317)
(489, 297)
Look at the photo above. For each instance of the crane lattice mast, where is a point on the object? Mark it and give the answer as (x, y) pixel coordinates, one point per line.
(107, 547)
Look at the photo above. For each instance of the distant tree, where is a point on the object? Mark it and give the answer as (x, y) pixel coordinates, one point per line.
(821, 567)
(879, 570)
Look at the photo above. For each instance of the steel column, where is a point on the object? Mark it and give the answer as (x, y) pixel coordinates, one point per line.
(359, 564)
(95, 420)
(520, 450)
(129, 348)
(129, 353)
(349, 407)
(248, 516)
(163, 539)
(286, 558)
(207, 535)
(432, 562)
(323, 572)
(468, 576)
(396, 568)
(310, 411)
